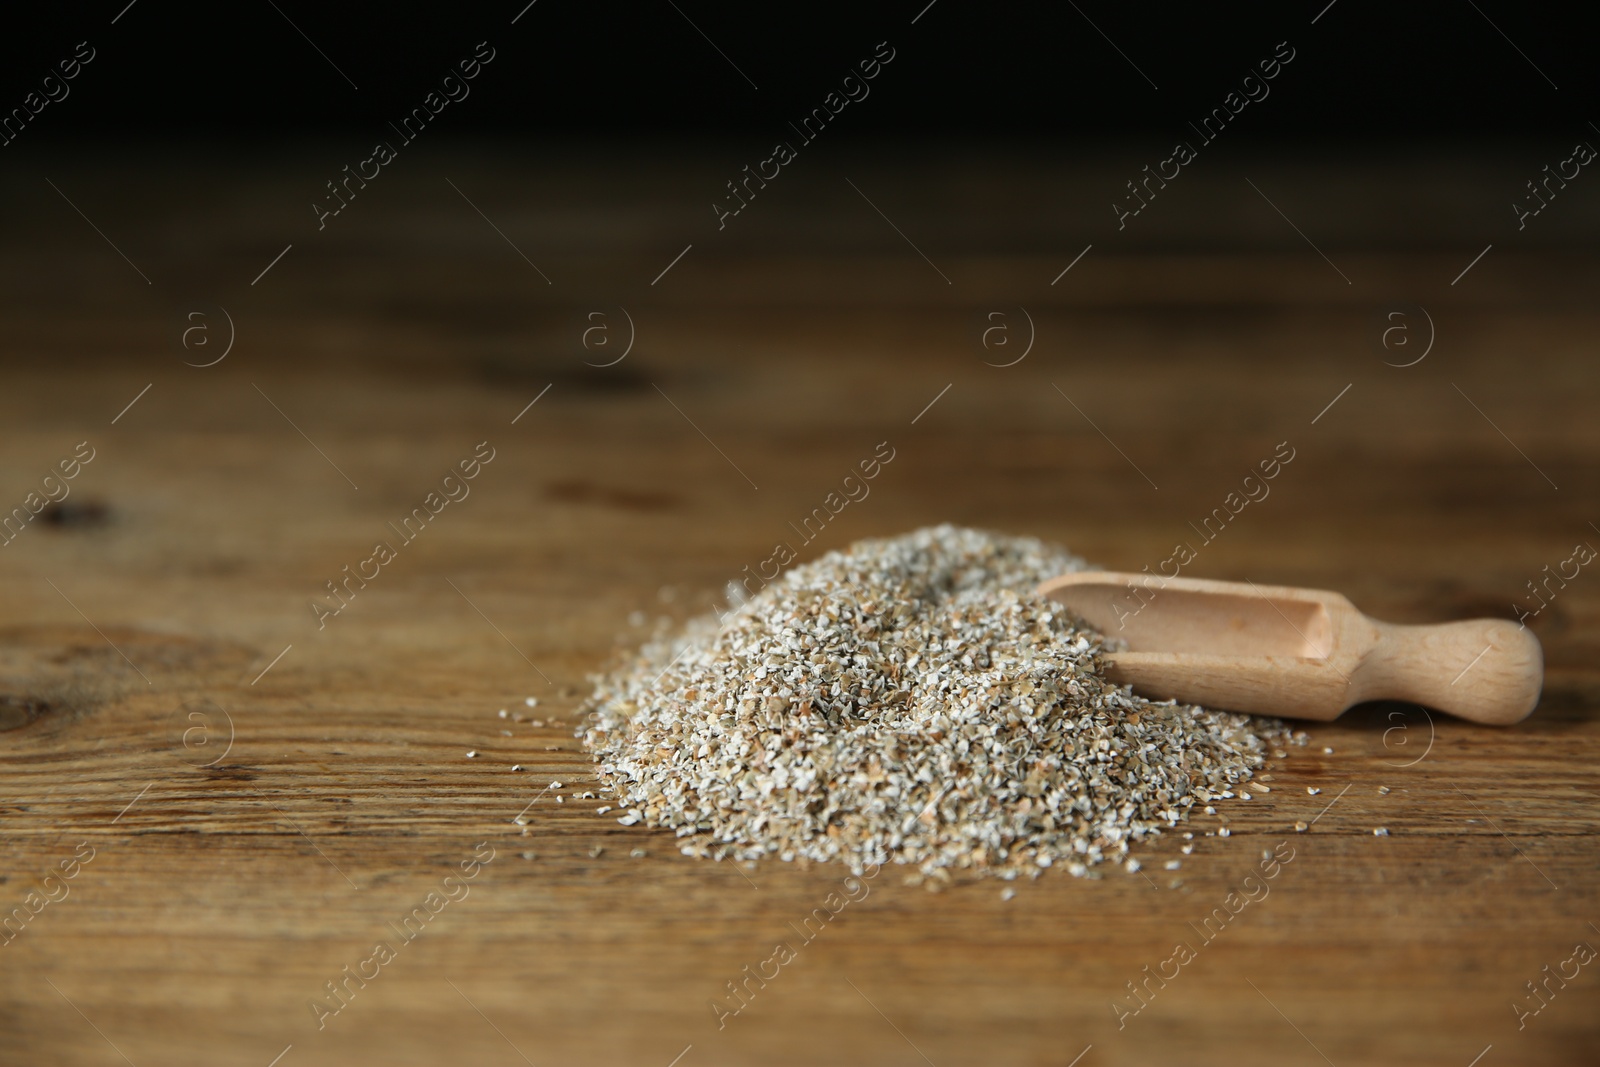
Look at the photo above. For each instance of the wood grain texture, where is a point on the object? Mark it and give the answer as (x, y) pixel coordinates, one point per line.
(221, 898)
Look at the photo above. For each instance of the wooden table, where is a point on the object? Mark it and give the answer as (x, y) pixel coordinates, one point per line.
(265, 801)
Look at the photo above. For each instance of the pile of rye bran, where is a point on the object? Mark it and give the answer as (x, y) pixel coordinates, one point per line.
(908, 700)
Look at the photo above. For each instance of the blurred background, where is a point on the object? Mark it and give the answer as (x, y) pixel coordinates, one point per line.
(1044, 73)
(1081, 265)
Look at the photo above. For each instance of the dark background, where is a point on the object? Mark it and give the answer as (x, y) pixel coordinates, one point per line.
(1035, 70)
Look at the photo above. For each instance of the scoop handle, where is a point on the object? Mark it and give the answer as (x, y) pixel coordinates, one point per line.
(1484, 670)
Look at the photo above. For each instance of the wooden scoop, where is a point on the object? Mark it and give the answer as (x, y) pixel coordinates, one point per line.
(1301, 653)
